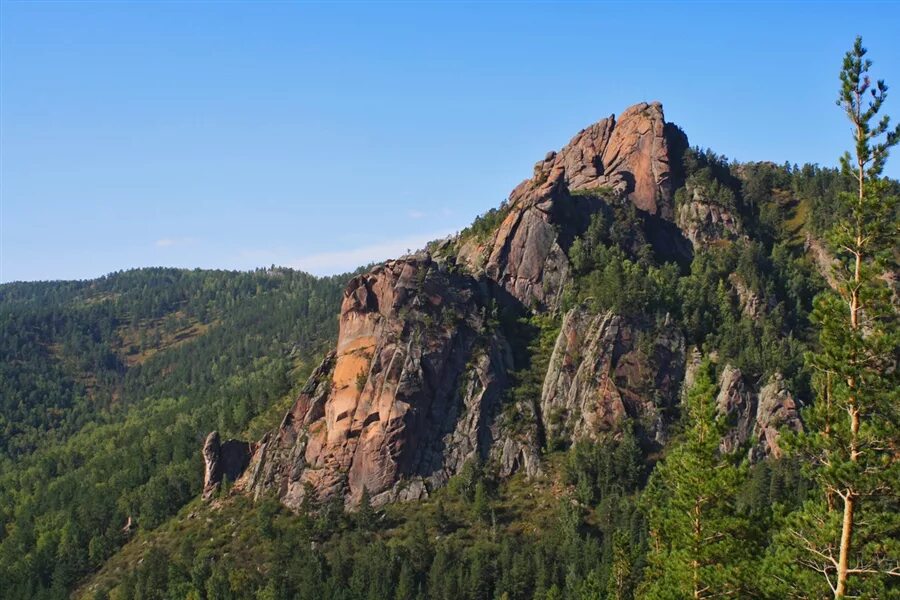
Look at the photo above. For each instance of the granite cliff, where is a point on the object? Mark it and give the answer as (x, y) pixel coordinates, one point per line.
(419, 381)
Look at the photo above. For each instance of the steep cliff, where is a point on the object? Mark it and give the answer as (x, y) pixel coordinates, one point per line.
(410, 394)
(624, 159)
(755, 417)
(223, 460)
(605, 369)
(423, 378)
(703, 220)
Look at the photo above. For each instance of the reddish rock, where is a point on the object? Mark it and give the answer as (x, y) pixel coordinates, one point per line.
(417, 383)
(410, 394)
(625, 158)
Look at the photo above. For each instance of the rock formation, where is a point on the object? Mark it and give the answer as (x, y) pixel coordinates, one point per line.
(775, 410)
(626, 158)
(409, 396)
(751, 302)
(605, 369)
(738, 405)
(220, 460)
(419, 381)
(755, 418)
(705, 222)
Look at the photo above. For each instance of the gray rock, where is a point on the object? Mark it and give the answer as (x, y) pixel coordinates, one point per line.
(602, 371)
(755, 418)
(220, 460)
(704, 222)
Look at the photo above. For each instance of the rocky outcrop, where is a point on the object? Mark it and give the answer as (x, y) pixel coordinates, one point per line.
(775, 410)
(754, 419)
(629, 156)
(419, 382)
(410, 394)
(621, 159)
(823, 260)
(738, 405)
(705, 222)
(221, 460)
(751, 302)
(605, 369)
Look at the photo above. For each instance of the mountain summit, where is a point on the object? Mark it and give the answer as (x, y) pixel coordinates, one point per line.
(432, 347)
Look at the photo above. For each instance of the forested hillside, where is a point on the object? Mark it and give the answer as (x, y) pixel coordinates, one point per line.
(108, 387)
(587, 526)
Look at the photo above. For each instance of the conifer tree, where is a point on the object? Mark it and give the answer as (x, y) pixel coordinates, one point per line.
(365, 514)
(844, 541)
(699, 543)
(620, 570)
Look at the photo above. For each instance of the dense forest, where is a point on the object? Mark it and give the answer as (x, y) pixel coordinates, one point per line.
(108, 387)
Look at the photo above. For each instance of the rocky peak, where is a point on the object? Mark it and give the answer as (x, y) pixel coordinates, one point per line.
(418, 383)
(628, 156)
(622, 159)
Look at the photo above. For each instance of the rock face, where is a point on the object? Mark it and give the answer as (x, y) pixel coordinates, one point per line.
(419, 381)
(629, 155)
(704, 222)
(626, 158)
(410, 394)
(220, 460)
(752, 303)
(738, 405)
(755, 417)
(775, 410)
(605, 369)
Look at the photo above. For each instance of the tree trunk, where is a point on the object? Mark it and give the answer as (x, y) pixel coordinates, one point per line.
(843, 560)
(695, 563)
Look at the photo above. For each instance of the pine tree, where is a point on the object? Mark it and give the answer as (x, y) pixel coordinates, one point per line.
(617, 586)
(699, 545)
(481, 505)
(365, 514)
(846, 538)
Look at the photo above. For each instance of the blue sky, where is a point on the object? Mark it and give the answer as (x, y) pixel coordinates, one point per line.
(323, 136)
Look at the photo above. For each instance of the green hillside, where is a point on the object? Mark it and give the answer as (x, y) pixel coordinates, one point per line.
(109, 386)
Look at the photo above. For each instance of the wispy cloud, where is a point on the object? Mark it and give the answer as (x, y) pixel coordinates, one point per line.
(169, 242)
(340, 261)
(417, 214)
